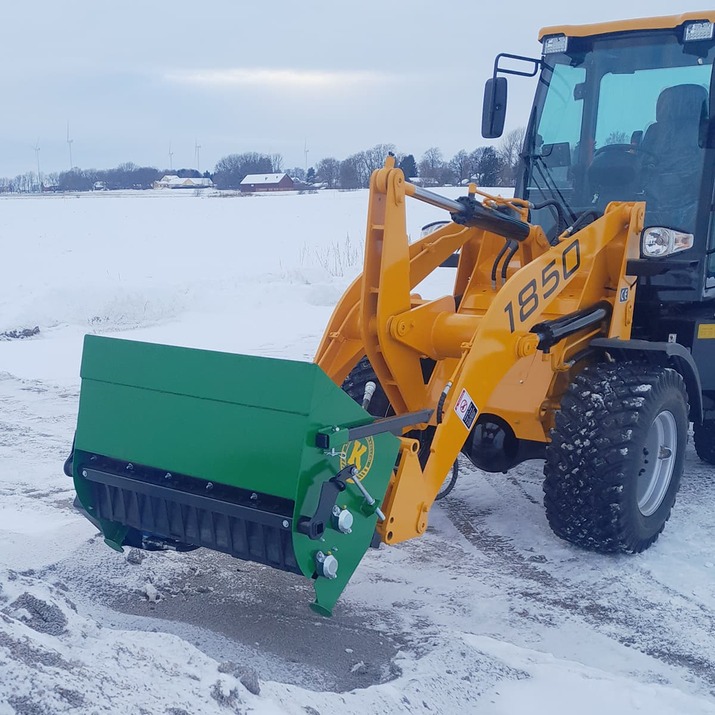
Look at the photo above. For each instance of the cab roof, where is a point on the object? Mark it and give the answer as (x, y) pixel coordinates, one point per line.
(644, 23)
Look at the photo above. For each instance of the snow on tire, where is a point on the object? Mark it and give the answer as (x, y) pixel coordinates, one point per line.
(615, 460)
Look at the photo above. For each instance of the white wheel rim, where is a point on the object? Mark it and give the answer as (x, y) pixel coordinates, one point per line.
(657, 463)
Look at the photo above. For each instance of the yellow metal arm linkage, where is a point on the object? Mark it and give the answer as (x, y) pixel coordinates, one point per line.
(485, 359)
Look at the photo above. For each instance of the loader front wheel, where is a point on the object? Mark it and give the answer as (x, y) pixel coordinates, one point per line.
(379, 406)
(616, 455)
(704, 438)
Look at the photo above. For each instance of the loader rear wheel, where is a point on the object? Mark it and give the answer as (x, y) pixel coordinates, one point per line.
(704, 437)
(616, 455)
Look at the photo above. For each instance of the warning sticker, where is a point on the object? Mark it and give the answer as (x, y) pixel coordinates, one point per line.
(706, 331)
(466, 409)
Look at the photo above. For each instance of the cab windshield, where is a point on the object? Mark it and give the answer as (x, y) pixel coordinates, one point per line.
(620, 120)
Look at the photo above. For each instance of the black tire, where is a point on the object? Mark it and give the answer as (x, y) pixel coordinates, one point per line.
(354, 385)
(704, 438)
(605, 488)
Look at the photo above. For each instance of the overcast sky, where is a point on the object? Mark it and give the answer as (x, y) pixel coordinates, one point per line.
(134, 77)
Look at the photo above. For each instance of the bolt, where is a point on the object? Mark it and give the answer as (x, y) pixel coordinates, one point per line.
(344, 521)
(336, 510)
(209, 486)
(84, 473)
(286, 523)
(526, 345)
(326, 565)
(167, 475)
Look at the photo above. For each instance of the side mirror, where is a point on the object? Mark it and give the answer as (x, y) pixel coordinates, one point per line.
(494, 109)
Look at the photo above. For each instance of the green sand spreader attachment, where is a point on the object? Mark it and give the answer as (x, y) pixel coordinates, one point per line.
(267, 460)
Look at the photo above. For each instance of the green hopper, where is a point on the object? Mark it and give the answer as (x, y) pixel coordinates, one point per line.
(267, 460)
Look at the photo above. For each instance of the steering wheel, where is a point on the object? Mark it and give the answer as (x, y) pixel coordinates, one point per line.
(634, 150)
(615, 165)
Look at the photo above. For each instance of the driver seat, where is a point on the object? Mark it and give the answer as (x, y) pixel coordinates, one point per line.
(674, 160)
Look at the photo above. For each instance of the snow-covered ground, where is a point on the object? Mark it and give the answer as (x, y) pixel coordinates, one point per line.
(487, 613)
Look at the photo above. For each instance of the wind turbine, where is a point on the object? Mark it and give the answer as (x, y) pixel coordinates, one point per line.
(69, 144)
(197, 150)
(37, 156)
(305, 151)
(171, 158)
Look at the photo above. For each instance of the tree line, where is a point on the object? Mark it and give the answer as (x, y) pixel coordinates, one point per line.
(124, 176)
(487, 165)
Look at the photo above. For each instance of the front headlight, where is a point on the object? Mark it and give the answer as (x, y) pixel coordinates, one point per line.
(658, 241)
(695, 31)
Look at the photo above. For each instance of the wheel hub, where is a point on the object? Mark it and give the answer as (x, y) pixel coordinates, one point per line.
(658, 462)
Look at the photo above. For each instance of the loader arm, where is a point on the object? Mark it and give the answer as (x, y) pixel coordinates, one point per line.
(479, 336)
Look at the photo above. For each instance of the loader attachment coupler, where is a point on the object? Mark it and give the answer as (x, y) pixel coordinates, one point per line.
(250, 456)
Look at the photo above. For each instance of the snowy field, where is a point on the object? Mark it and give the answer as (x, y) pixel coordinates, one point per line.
(487, 613)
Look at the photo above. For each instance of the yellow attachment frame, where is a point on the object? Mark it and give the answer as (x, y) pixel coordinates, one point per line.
(486, 359)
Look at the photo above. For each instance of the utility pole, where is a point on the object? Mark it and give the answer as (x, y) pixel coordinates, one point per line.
(69, 144)
(37, 156)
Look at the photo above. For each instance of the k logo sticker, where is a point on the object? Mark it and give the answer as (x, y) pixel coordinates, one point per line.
(360, 453)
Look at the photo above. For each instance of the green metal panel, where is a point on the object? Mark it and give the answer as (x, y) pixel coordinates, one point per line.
(248, 422)
(206, 414)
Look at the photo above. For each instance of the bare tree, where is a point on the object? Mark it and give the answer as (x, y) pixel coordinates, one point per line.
(327, 171)
(509, 153)
(376, 156)
(461, 165)
(297, 172)
(277, 163)
(431, 164)
(25, 183)
(369, 160)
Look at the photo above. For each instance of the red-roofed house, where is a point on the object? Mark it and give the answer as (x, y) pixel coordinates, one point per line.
(267, 182)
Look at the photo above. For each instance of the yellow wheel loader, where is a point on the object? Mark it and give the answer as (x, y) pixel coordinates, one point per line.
(580, 329)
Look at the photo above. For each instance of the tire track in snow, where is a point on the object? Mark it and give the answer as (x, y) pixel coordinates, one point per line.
(634, 608)
(36, 425)
(34, 414)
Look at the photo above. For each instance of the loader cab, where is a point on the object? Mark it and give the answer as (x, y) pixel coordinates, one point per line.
(625, 112)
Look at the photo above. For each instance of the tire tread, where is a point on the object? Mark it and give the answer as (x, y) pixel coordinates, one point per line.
(587, 462)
